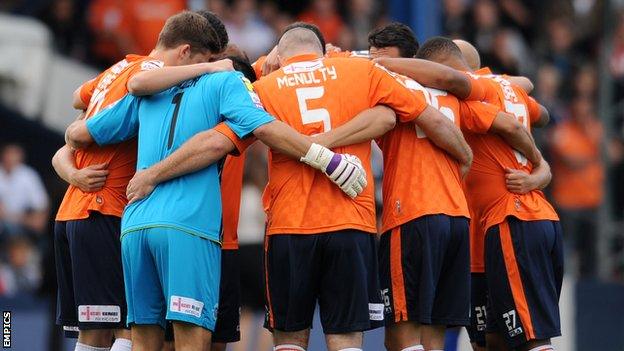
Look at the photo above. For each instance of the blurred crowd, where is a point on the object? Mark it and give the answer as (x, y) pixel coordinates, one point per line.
(556, 43)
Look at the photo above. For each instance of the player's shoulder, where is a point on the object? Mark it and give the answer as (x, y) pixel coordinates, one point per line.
(347, 61)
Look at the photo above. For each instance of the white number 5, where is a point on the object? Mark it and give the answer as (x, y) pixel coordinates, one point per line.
(314, 115)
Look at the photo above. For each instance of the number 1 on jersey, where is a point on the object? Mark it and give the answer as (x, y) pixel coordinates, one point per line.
(177, 99)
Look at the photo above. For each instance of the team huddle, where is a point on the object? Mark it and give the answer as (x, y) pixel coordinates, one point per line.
(145, 239)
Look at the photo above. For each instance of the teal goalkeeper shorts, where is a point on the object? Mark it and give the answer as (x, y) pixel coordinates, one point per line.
(171, 275)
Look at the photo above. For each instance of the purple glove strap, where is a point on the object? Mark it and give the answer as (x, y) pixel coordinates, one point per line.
(333, 164)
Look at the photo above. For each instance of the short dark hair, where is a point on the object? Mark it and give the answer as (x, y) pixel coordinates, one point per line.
(395, 34)
(242, 65)
(438, 46)
(189, 28)
(218, 26)
(308, 26)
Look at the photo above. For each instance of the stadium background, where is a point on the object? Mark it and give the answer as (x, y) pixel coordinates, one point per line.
(572, 49)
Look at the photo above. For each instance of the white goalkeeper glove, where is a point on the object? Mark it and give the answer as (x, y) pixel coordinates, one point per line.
(344, 170)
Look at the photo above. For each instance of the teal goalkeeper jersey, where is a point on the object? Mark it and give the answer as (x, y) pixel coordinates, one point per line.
(163, 122)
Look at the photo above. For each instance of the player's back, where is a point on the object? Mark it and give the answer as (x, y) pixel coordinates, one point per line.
(488, 197)
(167, 120)
(313, 96)
(100, 92)
(434, 183)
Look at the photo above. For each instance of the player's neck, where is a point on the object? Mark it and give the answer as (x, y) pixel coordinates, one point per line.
(457, 64)
(157, 54)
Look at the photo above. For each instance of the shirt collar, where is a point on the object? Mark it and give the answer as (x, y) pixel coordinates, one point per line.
(301, 58)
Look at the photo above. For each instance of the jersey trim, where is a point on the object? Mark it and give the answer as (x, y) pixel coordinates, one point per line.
(319, 230)
(187, 230)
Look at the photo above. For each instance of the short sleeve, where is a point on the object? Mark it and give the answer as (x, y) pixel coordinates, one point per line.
(385, 89)
(476, 116)
(477, 88)
(534, 110)
(257, 66)
(119, 122)
(87, 89)
(240, 106)
(240, 144)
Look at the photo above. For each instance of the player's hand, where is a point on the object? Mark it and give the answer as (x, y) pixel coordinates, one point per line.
(91, 178)
(271, 63)
(519, 182)
(329, 48)
(347, 172)
(344, 170)
(140, 186)
(219, 66)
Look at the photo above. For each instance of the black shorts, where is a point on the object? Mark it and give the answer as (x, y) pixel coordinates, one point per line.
(89, 273)
(478, 306)
(337, 269)
(425, 271)
(524, 272)
(227, 328)
(252, 276)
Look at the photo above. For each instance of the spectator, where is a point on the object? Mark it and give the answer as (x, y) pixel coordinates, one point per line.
(559, 47)
(456, 23)
(22, 273)
(248, 30)
(360, 20)
(145, 18)
(123, 27)
(22, 194)
(323, 13)
(67, 26)
(578, 179)
(110, 40)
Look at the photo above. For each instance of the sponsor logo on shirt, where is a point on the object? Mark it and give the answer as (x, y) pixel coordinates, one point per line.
(186, 305)
(150, 65)
(99, 314)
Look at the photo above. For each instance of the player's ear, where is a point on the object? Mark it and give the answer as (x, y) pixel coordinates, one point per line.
(184, 52)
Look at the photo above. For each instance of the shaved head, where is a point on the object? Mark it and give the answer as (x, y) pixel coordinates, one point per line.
(298, 41)
(470, 53)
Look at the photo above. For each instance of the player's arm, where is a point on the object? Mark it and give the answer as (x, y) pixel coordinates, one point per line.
(480, 117)
(518, 137)
(542, 119)
(411, 107)
(197, 153)
(431, 74)
(520, 182)
(523, 82)
(149, 82)
(112, 125)
(365, 126)
(77, 101)
(77, 135)
(445, 135)
(88, 179)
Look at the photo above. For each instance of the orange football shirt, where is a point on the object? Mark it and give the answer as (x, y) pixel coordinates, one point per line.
(488, 198)
(313, 95)
(577, 187)
(144, 19)
(257, 65)
(98, 93)
(232, 186)
(434, 184)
